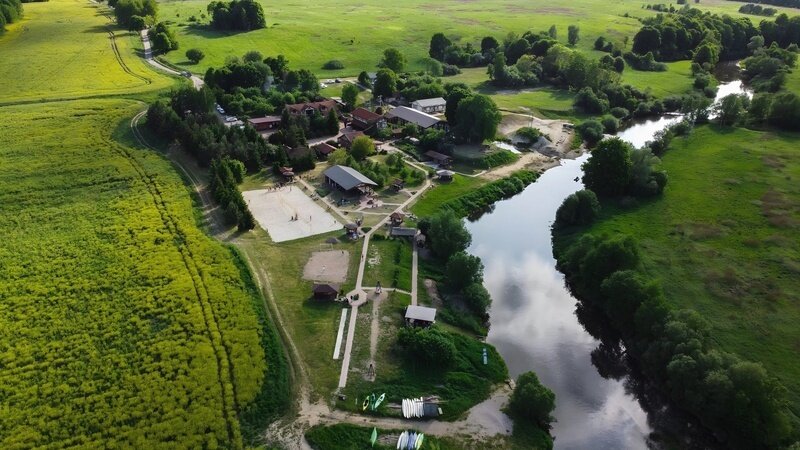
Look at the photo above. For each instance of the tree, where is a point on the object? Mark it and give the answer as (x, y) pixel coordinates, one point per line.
(332, 122)
(532, 401)
(648, 39)
(516, 50)
(591, 131)
(393, 60)
(731, 109)
(431, 347)
(463, 269)
(608, 170)
(489, 43)
(363, 79)
(477, 118)
(124, 10)
(362, 147)
(253, 56)
(195, 55)
(447, 234)
(385, 83)
(784, 110)
(439, 44)
(350, 95)
(477, 298)
(244, 15)
(137, 23)
(552, 32)
(455, 93)
(580, 208)
(573, 35)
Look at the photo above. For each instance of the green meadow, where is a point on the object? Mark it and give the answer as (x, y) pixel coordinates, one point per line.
(356, 33)
(63, 49)
(725, 241)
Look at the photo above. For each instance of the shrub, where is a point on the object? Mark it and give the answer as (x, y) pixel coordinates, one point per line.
(481, 198)
(463, 269)
(609, 168)
(430, 347)
(195, 55)
(333, 64)
(591, 131)
(610, 124)
(532, 401)
(580, 208)
(529, 133)
(620, 113)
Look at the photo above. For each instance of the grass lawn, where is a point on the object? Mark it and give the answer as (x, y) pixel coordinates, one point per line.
(432, 199)
(725, 241)
(62, 50)
(311, 324)
(356, 33)
(123, 324)
(389, 261)
(676, 80)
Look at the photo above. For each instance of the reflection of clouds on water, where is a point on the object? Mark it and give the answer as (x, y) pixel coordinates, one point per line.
(534, 327)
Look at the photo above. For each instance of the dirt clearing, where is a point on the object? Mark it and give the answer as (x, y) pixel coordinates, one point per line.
(275, 210)
(330, 266)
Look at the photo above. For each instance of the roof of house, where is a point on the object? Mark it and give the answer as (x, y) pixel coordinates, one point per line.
(265, 119)
(301, 107)
(425, 102)
(421, 313)
(351, 226)
(397, 216)
(351, 136)
(437, 156)
(403, 231)
(419, 118)
(325, 288)
(445, 173)
(365, 115)
(347, 177)
(324, 148)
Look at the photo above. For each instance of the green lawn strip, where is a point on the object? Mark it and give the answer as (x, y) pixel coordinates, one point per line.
(388, 261)
(723, 240)
(432, 200)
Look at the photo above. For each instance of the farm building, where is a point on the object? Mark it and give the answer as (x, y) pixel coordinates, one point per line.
(420, 316)
(323, 149)
(308, 109)
(347, 138)
(265, 123)
(430, 105)
(325, 291)
(364, 119)
(445, 175)
(396, 219)
(403, 232)
(403, 115)
(348, 179)
(439, 158)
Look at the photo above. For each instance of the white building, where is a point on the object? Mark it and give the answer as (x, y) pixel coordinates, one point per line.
(430, 105)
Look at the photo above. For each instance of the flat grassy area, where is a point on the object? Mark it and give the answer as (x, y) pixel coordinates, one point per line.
(311, 324)
(432, 199)
(389, 261)
(356, 33)
(123, 324)
(63, 50)
(725, 241)
(676, 80)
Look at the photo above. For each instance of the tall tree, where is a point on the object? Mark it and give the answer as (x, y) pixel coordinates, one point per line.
(573, 34)
(608, 170)
(447, 234)
(477, 118)
(385, 83)
(393, 60)
(439, 44)
(552, 32)
(350, 95)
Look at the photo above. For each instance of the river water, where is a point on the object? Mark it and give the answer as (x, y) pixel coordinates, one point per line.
(533, 317)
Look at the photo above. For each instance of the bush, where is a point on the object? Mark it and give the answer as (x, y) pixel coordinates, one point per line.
(428, 347)
(463, 269)
(333, 64)
(620, 113)
(610, 124)
(195, 55)
(533, 402)
(481, 198)
(580, 208)
(591, 131)
(447, 234)
(531, 134)
(609, 168)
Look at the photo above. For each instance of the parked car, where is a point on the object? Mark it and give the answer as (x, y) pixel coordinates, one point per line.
(186, 74)
(338, 80)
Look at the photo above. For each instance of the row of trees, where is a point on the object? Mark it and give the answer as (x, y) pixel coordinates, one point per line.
(225, 175)
(734, 398)
(240, 15)
(162, 39)
(785, 3)
(757, 10)
(767, 69)
(10, 12)
(615, 168)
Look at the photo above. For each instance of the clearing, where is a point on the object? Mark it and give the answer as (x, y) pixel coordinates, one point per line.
(274, 211)
(327, 266)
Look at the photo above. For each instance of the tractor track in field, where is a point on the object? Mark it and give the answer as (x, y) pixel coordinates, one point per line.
(121, 61)
(220, 347)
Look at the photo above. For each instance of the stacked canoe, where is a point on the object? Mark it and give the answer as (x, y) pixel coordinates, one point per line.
(413, 408)
(410, 440)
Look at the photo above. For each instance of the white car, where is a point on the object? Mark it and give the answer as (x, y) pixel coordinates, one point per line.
(230, 119)
(323, 85)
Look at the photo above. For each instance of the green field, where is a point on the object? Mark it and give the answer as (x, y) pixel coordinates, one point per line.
(356, 33)
(123, 324)
(63, 50)
(725, 241)
(430, 201)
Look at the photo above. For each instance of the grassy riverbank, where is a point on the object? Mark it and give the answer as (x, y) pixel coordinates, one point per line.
(723, 240)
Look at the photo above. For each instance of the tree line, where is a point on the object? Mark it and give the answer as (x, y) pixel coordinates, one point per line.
(757, 10)
(784, 3)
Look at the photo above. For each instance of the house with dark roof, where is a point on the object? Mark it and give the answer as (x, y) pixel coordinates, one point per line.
(403, 232)
(396, 218)
(403, 115)
(308, 109)
(265, 123)
(347, 138)
(348, 179)
(430, 105)
(323, 149)
(364, 119)
(325, 291)
(441, 159)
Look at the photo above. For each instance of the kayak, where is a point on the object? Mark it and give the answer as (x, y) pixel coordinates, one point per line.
(379, 401)
(365, 405)
(420, 439)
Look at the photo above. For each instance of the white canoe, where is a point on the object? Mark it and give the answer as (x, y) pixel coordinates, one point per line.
(404, 408)
(402, 441)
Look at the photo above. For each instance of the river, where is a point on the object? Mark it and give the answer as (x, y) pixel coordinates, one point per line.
(533, 316)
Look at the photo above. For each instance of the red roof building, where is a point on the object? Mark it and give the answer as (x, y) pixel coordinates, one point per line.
(364, 118)
(308, 109)
(346, 139)
(265, 123)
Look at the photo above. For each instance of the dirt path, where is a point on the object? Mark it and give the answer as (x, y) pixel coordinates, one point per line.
(197, 82)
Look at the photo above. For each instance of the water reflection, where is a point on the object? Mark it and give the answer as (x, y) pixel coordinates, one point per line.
(534, 325)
